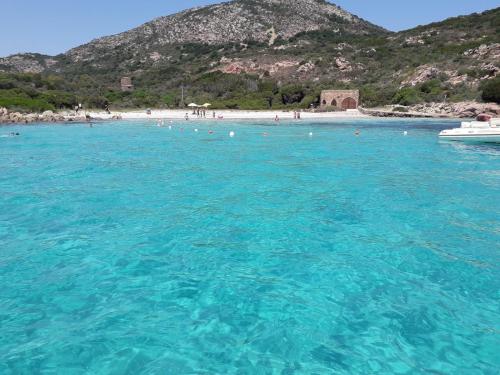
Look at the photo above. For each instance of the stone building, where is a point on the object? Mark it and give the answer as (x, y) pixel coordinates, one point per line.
(340, 99)
(126, 84)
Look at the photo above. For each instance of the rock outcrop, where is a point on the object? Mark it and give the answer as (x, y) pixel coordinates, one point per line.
(461, 109)
(422, 74)
(26, 63)
(8, 117)
(438, 110)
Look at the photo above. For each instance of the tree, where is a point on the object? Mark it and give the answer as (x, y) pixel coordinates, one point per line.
(407, 96)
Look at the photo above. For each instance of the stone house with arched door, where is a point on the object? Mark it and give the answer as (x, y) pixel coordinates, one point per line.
(340, 99)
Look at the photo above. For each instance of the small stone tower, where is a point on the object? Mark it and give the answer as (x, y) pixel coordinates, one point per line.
(126, 84)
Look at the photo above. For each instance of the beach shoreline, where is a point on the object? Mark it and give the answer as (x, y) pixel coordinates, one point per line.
(7, 117)
(67, 116)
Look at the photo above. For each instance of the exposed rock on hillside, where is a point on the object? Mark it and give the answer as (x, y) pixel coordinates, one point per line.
(422, 74)
(484, 51)
(262, 66)
(26, 63)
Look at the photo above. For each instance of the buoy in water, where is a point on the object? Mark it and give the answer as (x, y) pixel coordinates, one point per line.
(231, 134)
(405, 133)
(310, 134)
(196, 130)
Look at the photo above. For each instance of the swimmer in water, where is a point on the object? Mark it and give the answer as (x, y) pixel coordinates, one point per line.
(276, 118)
(357, 133)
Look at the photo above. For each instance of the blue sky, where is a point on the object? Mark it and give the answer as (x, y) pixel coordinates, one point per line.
(54, 26)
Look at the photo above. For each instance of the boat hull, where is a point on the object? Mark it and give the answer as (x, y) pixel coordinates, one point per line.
(494, 138)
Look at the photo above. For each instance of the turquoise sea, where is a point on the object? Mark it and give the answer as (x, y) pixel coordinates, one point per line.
(132, 249)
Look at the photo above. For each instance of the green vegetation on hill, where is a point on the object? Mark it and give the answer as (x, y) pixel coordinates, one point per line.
(451, 60)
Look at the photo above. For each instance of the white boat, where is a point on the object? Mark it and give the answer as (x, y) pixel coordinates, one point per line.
(483, 129)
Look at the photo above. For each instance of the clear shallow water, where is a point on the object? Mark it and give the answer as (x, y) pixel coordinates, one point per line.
(128, 249)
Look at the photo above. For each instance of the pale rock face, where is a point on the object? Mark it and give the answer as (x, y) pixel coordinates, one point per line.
(343, 46)
(27, 63)
(491, 52)
(343, 64)
(306, 68)
(490, 69)
(155, 56)
(422, 74)
(412, 40)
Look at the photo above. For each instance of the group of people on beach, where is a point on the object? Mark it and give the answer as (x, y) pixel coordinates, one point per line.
(201, 113)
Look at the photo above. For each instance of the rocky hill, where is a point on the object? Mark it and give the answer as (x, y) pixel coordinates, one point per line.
(260, 53)
(27, 63)
(236, 21)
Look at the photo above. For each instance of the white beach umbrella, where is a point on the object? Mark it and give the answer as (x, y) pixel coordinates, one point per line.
(193, 105)
(206, 105)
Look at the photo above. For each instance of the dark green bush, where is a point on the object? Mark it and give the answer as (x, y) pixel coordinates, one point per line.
(491, 90)
(407, 96)
(17, 100)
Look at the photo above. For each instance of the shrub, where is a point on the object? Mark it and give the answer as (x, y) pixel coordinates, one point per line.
(60, 99)
(17, 100)
(7, 83)
(171, 100)
(292, 94)
(407, 96)
(491, 90)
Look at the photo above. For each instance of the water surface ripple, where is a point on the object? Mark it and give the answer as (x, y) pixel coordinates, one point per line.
(128, 249)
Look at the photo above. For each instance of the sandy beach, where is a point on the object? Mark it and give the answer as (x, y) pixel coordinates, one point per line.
(221, 114)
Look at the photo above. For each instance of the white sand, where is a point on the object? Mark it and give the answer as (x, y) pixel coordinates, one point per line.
(226, 114)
